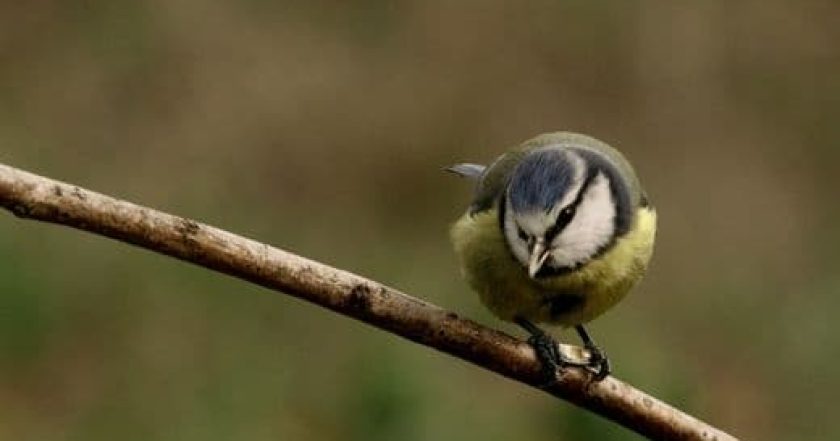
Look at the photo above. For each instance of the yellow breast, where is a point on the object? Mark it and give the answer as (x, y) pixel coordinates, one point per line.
(505, 288)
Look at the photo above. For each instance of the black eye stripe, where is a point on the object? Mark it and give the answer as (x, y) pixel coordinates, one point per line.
(502, 214)
(568, 213)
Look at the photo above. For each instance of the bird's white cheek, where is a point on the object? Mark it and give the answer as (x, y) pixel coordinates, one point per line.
(590, 230)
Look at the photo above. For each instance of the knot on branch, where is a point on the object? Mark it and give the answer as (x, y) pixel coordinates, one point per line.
(21, 209)
(359, 299)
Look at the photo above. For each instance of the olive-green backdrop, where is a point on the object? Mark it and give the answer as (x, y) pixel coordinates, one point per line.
(322, 128)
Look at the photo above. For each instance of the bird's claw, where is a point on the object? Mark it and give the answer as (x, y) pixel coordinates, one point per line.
(598, 363)
(548, 353)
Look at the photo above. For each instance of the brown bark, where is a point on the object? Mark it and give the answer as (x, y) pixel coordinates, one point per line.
(34, 197)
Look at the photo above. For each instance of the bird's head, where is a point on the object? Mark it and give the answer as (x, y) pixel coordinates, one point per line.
(563, 206)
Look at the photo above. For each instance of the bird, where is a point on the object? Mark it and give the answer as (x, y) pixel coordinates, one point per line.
(559, 230)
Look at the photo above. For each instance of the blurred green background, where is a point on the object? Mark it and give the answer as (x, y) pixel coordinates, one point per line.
(322, 128)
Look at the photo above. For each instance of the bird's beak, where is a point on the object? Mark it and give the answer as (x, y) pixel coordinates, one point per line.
(539, 254)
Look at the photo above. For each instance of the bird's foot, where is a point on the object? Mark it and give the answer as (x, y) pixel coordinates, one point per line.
(548, 353)
(598, 361)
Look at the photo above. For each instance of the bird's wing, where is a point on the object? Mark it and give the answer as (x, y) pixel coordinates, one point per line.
(494, 181)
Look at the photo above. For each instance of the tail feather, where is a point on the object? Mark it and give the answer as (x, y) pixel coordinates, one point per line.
(472, 171)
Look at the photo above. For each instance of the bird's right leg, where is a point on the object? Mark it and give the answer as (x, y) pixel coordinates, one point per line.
(547, 350)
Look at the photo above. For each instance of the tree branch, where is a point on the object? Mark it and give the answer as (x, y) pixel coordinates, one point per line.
(35, 197)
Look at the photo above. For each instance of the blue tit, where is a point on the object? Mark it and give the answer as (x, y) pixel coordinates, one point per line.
(559, 230)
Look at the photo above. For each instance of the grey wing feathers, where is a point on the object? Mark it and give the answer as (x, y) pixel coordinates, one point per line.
(490, 180)
(494, 181)
(472, 171)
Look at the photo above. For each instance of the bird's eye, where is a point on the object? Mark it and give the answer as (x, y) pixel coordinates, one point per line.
(566, 215)
(563, 218)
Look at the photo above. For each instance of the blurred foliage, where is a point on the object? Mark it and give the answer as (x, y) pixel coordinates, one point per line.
(322, 127)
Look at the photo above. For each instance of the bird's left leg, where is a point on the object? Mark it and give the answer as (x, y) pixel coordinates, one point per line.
(597, 358)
